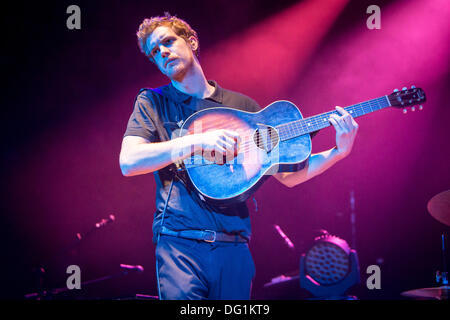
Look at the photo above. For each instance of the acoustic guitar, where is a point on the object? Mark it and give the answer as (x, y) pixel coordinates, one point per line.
(275, 139)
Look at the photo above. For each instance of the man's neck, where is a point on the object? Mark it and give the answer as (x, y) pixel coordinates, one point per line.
(194, 83)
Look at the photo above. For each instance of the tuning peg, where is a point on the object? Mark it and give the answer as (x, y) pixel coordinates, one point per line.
(413, 108)
(413, 87)
(421, 107)
(395, 90)
(405, 111)
(404, 88)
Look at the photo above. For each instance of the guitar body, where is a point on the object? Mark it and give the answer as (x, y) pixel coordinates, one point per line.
(261, 152)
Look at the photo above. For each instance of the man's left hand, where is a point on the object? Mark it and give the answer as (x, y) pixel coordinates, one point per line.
(346, 129)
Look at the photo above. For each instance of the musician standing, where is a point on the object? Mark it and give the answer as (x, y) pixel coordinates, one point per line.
(202, 249)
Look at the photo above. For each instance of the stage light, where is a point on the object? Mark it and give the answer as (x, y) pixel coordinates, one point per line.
(266, 58)
(329, 268)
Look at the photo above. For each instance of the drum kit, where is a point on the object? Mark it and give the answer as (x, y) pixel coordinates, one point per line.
(439, 208)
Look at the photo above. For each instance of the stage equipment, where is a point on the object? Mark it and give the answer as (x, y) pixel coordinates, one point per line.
(286, 239)
(282, 278)
(353, 218)
(40, 270)
(439, 293)
(439, 207)
(329, 268)
(124, 270)
(138, 296)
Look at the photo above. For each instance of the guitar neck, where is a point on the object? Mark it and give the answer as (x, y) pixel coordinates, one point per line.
(300, 127)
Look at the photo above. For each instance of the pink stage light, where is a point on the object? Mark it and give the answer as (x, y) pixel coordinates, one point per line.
(412, 47)
(264, 59)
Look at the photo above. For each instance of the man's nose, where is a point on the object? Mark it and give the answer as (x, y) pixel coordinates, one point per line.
(164, 52)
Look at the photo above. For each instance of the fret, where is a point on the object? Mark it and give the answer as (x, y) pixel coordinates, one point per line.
(300, 127)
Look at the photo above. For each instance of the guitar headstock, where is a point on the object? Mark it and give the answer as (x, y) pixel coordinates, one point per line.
(407, 98)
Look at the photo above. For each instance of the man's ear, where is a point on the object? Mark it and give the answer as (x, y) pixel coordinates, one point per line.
(193, 42)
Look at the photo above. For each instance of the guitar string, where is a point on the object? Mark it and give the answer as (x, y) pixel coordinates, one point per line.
(373, 105)
(303, 126)
(313, 122)
(307, 125)
(316, 121)
(361, 107)
(300, 127)
(254, 144)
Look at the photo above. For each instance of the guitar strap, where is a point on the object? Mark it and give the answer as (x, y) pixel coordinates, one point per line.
(174, 170)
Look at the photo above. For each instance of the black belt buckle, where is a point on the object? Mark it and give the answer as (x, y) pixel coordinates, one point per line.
(213, 236)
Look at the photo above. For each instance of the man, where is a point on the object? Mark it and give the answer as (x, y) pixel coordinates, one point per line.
(191, 263)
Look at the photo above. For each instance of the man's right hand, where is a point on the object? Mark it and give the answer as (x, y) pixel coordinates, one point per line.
(218, 146)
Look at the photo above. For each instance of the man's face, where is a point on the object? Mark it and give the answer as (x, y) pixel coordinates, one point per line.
(171, 53)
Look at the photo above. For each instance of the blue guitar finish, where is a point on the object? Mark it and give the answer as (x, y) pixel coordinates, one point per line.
(275, 139)
(258, 157)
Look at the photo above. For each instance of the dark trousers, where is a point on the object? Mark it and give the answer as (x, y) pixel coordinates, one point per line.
(194, 270)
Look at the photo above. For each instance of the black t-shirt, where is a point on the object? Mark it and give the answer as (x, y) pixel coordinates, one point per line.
(159, 112)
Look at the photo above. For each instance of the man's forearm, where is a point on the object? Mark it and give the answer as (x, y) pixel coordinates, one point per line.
(149, 157)
(316, 164)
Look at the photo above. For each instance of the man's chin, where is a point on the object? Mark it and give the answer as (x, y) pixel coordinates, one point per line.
(175, 73)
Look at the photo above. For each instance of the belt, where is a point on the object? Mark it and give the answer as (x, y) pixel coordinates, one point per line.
(205, 235)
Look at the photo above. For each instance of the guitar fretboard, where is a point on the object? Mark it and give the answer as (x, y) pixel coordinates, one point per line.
(300, 127)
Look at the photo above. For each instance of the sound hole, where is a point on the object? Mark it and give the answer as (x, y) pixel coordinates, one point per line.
(266, 138)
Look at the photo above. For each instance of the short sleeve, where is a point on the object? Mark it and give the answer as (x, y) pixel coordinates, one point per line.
(252, 105)
(143, 119)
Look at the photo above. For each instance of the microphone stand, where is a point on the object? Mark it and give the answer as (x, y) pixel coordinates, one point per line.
(39, 271)
(124, 270)
(444, 275)
(353, 218)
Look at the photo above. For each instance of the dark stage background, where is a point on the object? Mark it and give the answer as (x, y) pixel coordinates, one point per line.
(67, 96)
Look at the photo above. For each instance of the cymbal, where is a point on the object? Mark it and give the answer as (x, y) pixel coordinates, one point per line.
(439, 207)
(281, 279)
(440, 293)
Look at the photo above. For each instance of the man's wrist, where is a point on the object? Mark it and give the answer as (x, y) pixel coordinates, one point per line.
(192, 144)
(337, 154)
